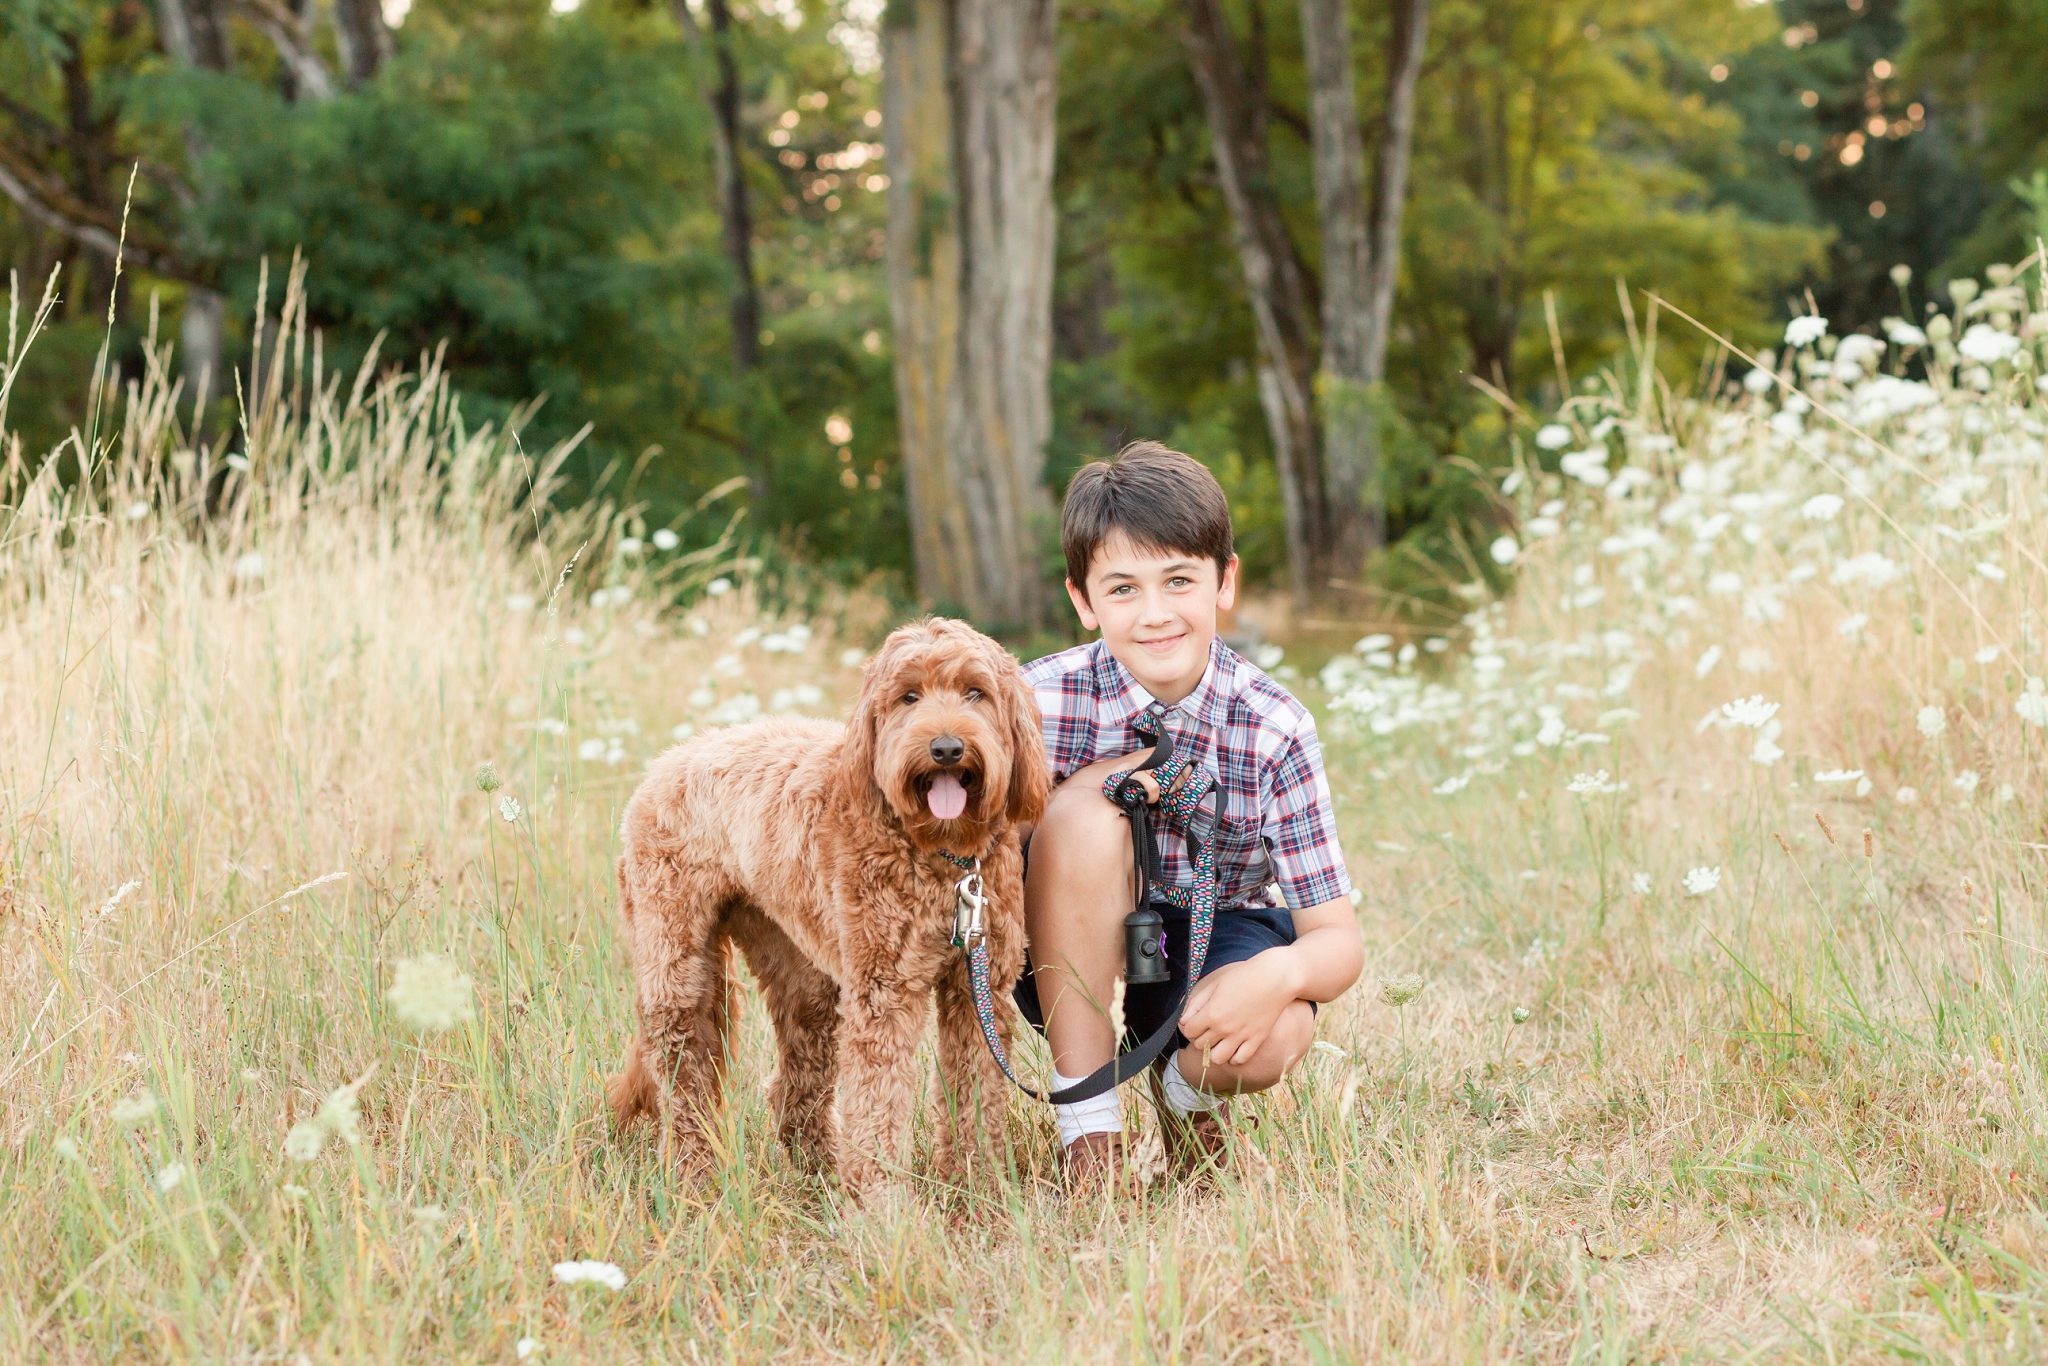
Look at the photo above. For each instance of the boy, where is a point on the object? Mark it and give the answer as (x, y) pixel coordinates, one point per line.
(1147, 538)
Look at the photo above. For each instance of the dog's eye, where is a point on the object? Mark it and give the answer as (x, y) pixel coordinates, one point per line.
(909, 699)
(974, 694)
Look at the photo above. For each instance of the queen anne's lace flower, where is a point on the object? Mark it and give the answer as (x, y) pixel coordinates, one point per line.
(1700, 881)
(430, 992)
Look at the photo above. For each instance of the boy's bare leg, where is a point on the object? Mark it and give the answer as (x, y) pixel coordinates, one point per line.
(1077, 891)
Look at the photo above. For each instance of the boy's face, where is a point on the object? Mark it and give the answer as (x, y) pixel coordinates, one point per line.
(1156, 611)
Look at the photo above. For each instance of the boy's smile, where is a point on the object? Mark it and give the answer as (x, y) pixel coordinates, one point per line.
(1156, 610)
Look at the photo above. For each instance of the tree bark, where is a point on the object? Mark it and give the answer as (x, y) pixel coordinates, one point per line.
(195, 34)
(363, 38)
(968, 100)
(1361, 265)
(1274, 284)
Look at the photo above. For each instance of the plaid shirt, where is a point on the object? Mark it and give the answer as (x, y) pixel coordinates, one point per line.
(1275, 830)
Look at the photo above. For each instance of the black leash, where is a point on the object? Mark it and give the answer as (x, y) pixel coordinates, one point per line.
(1182, 788)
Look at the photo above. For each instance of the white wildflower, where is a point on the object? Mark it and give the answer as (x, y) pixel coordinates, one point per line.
(1839, 775)
(1805, 331)
(851, 658)
(508, 809)
(1399, 991)
(1753, 712)
(67, 1149)
(1759, 380)
(249, 567)
(1966, 781)
(1905, 334)
(430, 992)
(718, 588)
(1451, 785)
(305, 1140)
(2004, 794)
(1552, 733)
(1704, 665)
(1268, 656)
(293, 1192)
(1725, 584)
(1988, 655)
(630, 545)
(170, 1176)
(1766, 751)
(1504, 550)
(1987, 345)
(137, 511)
(590, 750)
(1987, 570)
(1906, 796)
(134, 1109)
(1852, 626)
(1553, 436)
(1641, 882)
(1822, 507)
(1588, 466)
(595, 1273)
(1755, 659)
(575, 635)
(519, 602)
(1519, 1015)
(338, 1114)
(2032, 706)
(527, 1348)
(664, 539)
(1591, 784)
(1700, 881)
(682, 732)
(1932, 721)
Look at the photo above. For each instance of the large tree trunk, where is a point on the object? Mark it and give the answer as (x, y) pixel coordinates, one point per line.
(1360, 265)
(968, 92)
(1274, 286)
(736, 221)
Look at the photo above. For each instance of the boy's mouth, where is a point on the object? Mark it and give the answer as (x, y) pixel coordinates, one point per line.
(1164, 644)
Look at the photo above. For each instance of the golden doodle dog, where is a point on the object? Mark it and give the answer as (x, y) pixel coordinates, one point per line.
(815, 850)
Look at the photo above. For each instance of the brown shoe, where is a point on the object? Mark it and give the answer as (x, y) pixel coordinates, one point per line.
(1093, 1161)
(1194, 1143)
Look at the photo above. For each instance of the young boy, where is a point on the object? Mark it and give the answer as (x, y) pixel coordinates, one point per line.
(1147, 538)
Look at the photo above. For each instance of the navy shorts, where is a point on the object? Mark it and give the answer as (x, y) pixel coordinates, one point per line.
(1239, 934)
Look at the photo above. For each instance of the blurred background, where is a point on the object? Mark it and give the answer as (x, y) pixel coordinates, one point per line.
(877, 277)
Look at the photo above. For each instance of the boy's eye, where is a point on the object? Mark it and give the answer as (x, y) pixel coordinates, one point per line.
(1179, 581)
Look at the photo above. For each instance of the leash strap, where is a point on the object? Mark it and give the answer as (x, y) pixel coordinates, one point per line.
(1182, 787)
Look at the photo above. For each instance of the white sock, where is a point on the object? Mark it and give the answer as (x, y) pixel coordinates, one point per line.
(1103, 1114)
(1181, 1096)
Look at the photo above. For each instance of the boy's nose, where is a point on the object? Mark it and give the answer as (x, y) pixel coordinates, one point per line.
(947, 750)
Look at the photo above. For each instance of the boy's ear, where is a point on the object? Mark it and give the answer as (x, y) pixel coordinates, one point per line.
(1079, 597)
(1226, 591)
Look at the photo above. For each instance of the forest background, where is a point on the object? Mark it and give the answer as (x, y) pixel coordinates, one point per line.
(548, 192)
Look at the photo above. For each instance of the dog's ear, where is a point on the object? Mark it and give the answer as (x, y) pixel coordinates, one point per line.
(1030, 775)
(857, 752)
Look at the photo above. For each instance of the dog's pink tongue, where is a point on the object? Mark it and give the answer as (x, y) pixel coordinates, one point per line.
(947, 798)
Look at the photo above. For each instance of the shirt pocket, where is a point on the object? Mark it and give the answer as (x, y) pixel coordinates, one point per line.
(1240, 859)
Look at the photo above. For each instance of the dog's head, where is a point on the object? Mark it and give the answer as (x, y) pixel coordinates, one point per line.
(947, 732)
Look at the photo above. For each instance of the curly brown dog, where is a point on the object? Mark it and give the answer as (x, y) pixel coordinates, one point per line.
(815, 848)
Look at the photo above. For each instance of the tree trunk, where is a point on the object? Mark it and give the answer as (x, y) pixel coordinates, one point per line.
(363, 38)
(195, 34)
(1273, 283)
(1360, 266)
(968, 93)
(736, 221)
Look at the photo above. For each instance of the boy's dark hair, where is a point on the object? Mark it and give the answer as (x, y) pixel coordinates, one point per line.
(1163, 500)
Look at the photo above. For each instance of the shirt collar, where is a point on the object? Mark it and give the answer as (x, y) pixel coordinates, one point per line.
(1128, 699)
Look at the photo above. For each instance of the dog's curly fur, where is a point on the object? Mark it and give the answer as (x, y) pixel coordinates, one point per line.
(810, 846)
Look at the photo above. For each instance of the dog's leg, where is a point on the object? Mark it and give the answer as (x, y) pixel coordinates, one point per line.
(973, 1093)
(679, 968)
(879, 1025)
(804, 1004)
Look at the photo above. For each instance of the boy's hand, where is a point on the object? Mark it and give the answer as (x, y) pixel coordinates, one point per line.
(1232, 1010)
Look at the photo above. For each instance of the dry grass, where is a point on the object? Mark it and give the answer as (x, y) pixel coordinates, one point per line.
(1763, 1122)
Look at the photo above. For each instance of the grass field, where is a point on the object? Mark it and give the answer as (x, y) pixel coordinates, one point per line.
(1727, 1038)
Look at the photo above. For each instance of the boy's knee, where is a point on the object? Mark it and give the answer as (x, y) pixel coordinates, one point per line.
(1081, 819)
(1293, 1034)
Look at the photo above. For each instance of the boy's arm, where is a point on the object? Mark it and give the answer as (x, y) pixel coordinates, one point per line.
(1232, 1012)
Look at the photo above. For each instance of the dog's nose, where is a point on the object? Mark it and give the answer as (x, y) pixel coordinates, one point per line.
(947, 751)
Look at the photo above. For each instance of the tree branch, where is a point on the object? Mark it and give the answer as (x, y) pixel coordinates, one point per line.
(56, 208)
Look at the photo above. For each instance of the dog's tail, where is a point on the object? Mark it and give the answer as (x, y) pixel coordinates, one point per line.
(631, 1089)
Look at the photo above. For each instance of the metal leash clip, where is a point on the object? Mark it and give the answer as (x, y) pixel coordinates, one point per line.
(969, 900)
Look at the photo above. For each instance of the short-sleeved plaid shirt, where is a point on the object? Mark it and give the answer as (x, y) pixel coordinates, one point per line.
(1275, 826)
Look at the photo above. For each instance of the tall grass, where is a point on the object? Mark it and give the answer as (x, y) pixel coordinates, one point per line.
(1796, 1115)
